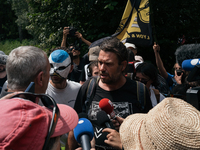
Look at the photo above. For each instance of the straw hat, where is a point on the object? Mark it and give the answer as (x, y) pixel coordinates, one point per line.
(172, 124)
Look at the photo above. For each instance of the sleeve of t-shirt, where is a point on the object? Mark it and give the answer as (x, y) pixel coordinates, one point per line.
(82, 77)
(169, 77)
(86, 59)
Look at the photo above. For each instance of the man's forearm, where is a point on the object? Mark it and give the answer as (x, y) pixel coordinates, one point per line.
(86, 41)
(63, 44)
(160, 65)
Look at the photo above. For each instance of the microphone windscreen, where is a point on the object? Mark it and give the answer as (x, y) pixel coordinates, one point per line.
(189, 64)
(102, 118)
(106, 105)
(84, 127)
(187, 51)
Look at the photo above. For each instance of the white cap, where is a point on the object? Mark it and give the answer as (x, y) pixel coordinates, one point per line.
(139, 58)
(130, 45)
(136, 64)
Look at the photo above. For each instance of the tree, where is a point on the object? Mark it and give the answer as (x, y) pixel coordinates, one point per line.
(20, 8)
(48, 18)
(8, 27)
(172, 20)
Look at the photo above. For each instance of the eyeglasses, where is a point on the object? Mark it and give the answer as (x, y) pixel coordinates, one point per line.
(142, 80)
(48, 102)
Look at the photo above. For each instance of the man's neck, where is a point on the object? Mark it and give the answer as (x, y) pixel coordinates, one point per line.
(113, 86)
(76, 60)
(59, 85)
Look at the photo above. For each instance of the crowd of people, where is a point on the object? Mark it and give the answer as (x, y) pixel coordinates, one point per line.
(149, 104)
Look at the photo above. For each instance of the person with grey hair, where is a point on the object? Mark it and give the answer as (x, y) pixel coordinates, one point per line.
(27, 64)
(3, 74)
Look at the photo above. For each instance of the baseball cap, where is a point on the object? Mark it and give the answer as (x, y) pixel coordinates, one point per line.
(24, 124)
(130, 45)
(94, 53)
(172, 124)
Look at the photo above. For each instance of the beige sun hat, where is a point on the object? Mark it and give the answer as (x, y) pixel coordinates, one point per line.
(173, 124)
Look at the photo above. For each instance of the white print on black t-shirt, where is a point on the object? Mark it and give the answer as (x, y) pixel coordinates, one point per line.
(122, 109)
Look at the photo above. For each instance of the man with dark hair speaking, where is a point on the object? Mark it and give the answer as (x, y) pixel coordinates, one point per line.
(121, 91)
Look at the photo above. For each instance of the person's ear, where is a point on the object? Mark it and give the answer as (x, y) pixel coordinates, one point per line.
(39, 78)
(72, 67)
(124, 64)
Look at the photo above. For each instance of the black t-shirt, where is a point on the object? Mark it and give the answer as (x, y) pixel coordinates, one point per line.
(126, 94)
(86, 59)
(124, 100)
(2, 81)
(77, 70)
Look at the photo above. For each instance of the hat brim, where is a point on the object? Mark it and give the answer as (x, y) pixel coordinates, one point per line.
(93, 58)
(130, 132)
(66, 122)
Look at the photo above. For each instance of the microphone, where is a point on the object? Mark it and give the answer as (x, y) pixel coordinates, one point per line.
(107, 106)
(189, 64)
(103, 119)
(84, 133)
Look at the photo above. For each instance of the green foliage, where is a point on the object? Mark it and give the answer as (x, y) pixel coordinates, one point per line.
(48, 18)
(95, 19)
(21, 9)
(7, 45)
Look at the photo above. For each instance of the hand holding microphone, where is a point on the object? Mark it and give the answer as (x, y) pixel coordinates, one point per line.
(84, 133)
(106, 105)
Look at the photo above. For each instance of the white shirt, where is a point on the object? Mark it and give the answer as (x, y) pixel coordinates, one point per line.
(64, 96)
(153, 96)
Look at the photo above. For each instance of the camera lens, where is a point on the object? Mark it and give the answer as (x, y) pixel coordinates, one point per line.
(178, 72)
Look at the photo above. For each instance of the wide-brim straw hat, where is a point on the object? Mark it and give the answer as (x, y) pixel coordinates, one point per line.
(173, 124)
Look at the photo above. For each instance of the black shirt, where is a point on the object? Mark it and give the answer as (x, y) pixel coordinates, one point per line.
(124, 100)
(76, 73)
(127, 94)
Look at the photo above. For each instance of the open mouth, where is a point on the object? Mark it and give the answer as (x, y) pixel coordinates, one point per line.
(103, 75)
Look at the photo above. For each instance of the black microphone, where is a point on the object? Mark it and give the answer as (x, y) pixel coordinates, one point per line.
(82, 115)
(84, 133)
(103, 119)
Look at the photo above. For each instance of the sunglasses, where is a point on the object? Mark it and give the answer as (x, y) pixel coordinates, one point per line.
(74, 47)
(142, 80)
(48, 102)
(71, 48)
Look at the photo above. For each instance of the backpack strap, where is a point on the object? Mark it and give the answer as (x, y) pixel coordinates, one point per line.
(91, 89)
(157, 94)
(141, 94)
